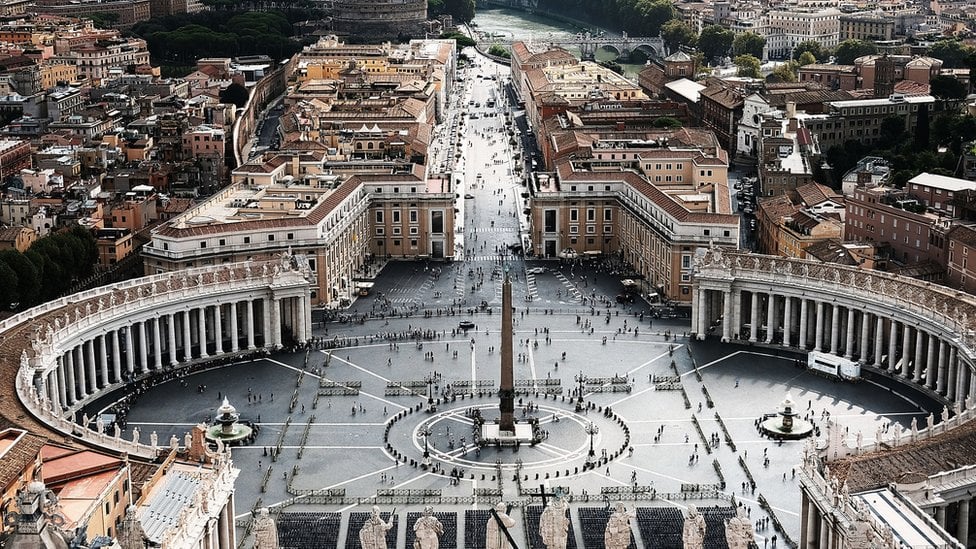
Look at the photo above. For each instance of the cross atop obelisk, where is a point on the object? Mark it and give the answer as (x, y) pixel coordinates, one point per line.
(506, 390)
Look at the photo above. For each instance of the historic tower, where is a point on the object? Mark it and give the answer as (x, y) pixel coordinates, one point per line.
(506, 390)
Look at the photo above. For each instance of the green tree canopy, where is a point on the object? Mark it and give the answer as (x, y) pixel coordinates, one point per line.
(806, 58)
(236, 94)
(948, 88)
(811, 46)
(666, 122)
(463, 40)
(953, 53)
(784, 72)
(748, 66)
(677, 33)
(849, 50)
(715, 41)
(748, 43)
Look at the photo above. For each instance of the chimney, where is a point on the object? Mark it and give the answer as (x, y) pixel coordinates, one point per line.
(790, 109)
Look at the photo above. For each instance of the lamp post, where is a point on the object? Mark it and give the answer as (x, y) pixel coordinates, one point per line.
(580, 379)
(591, 430)
(426, 432)
(430, 378)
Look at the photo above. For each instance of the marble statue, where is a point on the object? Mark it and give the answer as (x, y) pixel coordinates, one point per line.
(100, 425)
(738, 530)
(187, 440)
(135, 435)
(131, 534)
(265, 531)
(85, 420)
(945, 414)
(428, 530)
(554, 524)
(914, 429)
(862, 532)
(117, 431)
(898, 430)
(617, 534)
(153, 439)
(174, 443)
(494, 535)
(860, 440)
(929, 422)
(373, 534)
(693, 533)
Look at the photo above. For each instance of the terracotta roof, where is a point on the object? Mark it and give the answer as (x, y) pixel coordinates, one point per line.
(830, 251)
(814, 193)
(17, 458)
(727, 97)
(775, 208)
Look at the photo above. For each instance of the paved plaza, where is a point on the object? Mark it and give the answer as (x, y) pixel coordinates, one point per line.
(346, 422)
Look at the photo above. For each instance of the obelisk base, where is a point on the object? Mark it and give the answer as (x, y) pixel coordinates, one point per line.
(491, 434)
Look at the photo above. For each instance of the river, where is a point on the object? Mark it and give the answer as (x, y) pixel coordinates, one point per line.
(511, 24)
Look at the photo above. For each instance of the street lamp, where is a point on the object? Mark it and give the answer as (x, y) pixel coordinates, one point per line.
(426, 432)
(580, 379)
(591, 430)
(430, 378)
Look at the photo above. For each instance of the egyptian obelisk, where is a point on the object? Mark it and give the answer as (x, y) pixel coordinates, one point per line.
(506, 391)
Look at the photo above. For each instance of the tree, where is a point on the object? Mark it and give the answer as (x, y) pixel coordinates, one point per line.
(234, 93)
(463, 40)
(653, 15)
(461, 10)
(806, 58)
(784, 72)
(677, 33)
(748, 43)
(891, 131)
(499, 51)
(666, 122)
(715, 41)
(953, 53)
(809, 46)
(849, 50)
(749, 66)
(947, 88)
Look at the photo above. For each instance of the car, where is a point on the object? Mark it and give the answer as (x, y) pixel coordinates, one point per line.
(466, 325)
(469, 196)
(536, 270)
(625, 298)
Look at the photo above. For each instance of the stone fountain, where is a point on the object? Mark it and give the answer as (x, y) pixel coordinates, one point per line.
(226, 428)
(787, 424)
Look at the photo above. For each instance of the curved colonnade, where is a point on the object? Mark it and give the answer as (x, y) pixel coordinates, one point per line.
(915, 331)
(75, 349)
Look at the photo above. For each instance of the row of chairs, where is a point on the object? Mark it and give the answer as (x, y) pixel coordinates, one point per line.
(308, 530)
(661, 527)
(474, 528)
(715, 518)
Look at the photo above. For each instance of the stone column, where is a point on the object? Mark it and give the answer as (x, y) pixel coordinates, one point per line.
(953, 374)
(753, 316)
(234, 337)
(157, 344)
(92, 381)
(696, 312)
(919, 345)
(187, 337)
(116, 358)
(824, 538)
(250, 323)
(834, 328)
(218, 330)
(802, 343)
(893, 347)
(770, 317)
(104, 361)
(726, 316)
(906, 346)
(171, 338)
(972, 384)
(69, 359)
(62, 388)
(931, 367)
(130, 356)
(940, 516)
(878, 340)
(274, 317)
(962, 376)
(202, 330)
(849, 341)
(940, 380)
(787, 320)
(818, 333)
(862, 347)
(143, 348)
(303, 318)
(51, 383)
(222, 529)
(962, 524)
